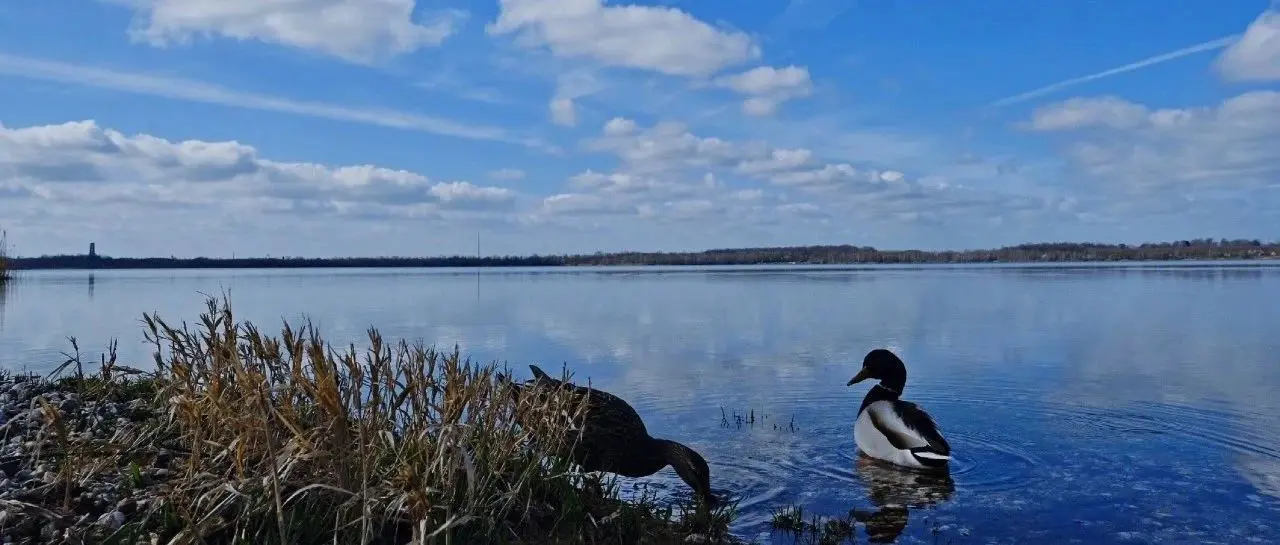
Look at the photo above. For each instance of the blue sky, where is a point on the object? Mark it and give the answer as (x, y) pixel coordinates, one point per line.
(395, 127)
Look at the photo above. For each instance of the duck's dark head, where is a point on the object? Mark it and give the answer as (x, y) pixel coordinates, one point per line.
(882, 365)
(692, 469)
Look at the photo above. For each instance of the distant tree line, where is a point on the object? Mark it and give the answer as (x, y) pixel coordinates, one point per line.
(1198, 249)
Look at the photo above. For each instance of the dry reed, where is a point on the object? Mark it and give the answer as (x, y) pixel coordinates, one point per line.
(292, 440)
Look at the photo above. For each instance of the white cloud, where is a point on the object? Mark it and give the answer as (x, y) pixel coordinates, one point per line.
(826, 176)
(580, 204)
(563, 112)
(355, 30)
(778, 160)
(659, 196)
(198, 91)
(767, 87)
(466, 192)
(666, 178)
(657, 39)
(1256, 55)
(613, 183)
(668, 148)
(626, 185)
(506, 174)
(668, 173)
(619, 126)
(892, 176)
(660, 39)
(1230, 145)
(1079, 113)
(571, 86)
(81, 162)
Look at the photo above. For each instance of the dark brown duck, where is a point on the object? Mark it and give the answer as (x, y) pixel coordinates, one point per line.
(614, 439)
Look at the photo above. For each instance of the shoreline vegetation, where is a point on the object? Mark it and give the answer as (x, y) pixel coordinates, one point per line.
(6, 273)
(241, 437)
(1183, 250)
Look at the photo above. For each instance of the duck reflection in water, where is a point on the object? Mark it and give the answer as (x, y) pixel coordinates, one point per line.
(894, 491)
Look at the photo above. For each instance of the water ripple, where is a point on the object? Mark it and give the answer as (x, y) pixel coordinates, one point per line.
(1134, 407)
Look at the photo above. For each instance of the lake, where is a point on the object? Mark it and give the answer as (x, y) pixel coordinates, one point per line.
(1084, 404)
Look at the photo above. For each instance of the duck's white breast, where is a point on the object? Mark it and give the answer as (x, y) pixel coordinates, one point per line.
(874, 444)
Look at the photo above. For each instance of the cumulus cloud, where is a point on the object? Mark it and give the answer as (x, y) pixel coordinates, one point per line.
(619, 126)
(664, 147)
(653, 196)
(82, 162)
(767, 87)
(1256, 55)
(660, 39)
(1229, 145)
(669, 147)
(571, 86)
(354, 30)
(572, 204)
(778, 160)
(667, 172)
(1079, 113)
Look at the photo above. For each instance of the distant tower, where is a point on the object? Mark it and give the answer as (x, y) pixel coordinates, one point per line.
(93, 251)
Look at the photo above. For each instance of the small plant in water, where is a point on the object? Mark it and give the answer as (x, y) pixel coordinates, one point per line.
(749, 418)
(815, 530)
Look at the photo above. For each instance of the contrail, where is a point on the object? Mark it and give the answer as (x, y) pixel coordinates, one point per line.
(1163, 57)
(198, 91)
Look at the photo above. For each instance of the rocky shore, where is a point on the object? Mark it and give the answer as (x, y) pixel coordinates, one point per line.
(64, 476)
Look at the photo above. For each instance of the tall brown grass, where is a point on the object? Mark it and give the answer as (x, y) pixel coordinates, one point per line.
(292, 440)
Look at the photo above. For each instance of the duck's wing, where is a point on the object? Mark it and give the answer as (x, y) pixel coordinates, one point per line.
(604, 409)
(908, 427)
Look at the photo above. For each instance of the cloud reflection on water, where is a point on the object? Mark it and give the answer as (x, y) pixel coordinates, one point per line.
(1039, 377)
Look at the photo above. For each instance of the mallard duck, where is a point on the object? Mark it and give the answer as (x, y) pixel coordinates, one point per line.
(614, 440)
(890, 429)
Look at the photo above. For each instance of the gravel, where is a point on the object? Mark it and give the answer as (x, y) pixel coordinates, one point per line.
(73, 488)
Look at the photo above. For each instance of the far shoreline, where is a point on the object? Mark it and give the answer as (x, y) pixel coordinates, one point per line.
(1130, 264)
(1062, 253)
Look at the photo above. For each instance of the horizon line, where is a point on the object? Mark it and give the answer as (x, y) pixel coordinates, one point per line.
(1127, 245)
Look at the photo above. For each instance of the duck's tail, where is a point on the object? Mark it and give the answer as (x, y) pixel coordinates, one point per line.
(539, 373)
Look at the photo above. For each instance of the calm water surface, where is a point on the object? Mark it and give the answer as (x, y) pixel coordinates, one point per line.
(1086, 405)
